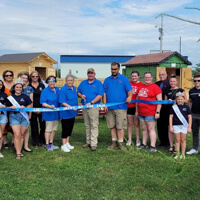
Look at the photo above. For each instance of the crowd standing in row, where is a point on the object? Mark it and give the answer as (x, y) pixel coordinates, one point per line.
(171, 119)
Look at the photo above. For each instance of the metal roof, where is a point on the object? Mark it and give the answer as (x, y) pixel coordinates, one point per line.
(152, 59)
(94, 58)
(22, 57)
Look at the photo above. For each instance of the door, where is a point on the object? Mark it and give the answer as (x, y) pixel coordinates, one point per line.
(186, 79)
(158, 69)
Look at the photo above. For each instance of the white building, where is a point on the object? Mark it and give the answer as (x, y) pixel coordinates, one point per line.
(77, 65)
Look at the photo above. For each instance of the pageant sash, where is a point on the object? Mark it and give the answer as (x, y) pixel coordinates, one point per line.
(180, 115)
(14, 103)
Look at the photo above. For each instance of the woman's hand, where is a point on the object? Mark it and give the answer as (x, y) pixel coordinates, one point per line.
(106, 109)
(157, 115)
(189, 130)
(2, 106)
(22, 107)
(13, 107)
(171, 129)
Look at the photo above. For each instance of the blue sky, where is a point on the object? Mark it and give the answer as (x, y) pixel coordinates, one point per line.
(106, 27)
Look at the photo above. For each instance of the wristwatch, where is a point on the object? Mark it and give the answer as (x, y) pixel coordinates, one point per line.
(157, 112)
(91, 103)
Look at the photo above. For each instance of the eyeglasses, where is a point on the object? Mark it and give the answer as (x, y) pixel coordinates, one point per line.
(113, 69)
(90, 72)
(196, 81)
(7, 75)
(34, 76)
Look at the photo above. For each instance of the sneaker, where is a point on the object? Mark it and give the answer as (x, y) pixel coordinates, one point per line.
(128, 143)
(69, 146)
(113, 145)
(1, 156)
(93, 148)
(138, 143)
(176, 157)
(64, 148)
(151, 149)
(86, 146)
(182, 157)
(192, 151)
(53, 146)
(6, 146)
(49, 147)
(142, 146)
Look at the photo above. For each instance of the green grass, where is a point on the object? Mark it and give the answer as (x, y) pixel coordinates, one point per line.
(104, 174)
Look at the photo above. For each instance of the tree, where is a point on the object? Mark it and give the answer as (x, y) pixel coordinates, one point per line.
(196, 70)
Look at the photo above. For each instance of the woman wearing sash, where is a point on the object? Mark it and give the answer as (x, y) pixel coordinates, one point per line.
(19, 121)
(8, 77)
(28, 90)
(170, 95)
(50, 99)
(3, 114)
(180, 122)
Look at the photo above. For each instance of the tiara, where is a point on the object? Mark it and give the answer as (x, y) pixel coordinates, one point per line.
(19, 81)
(179, 94)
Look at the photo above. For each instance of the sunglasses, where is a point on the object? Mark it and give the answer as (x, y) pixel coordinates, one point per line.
(196, 81)
(34, 76)
(9, 75)
(90, 72)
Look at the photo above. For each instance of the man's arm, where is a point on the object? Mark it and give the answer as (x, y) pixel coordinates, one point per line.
(130, 93)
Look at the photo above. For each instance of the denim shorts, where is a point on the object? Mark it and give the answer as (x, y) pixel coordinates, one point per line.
(18, 119)
(3, 119)
(147, 118)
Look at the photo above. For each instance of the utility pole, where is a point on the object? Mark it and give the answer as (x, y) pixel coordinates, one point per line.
(161, 33)
(180, 46)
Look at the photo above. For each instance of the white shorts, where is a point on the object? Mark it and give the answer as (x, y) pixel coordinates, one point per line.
(180, 129)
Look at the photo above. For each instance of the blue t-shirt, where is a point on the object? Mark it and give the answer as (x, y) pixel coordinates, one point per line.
(185, 110)
(51, 98)
(28, 90)
(90, 90)
(116, 90)
(69, 96)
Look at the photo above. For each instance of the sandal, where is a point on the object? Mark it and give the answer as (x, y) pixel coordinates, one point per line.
(21, 155)
(171, 149)
(18, 156)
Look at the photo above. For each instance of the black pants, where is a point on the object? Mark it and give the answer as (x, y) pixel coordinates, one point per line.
(67, 127)
(195, 130)
(37, 138)
(162, 126)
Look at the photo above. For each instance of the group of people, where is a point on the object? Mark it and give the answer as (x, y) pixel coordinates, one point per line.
(29, 91)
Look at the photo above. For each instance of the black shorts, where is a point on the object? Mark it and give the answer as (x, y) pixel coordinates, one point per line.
(131, 111)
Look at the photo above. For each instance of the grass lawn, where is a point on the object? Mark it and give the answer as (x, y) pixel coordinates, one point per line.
(104, 174)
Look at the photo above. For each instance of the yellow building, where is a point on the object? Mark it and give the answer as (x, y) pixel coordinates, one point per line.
(40, 62)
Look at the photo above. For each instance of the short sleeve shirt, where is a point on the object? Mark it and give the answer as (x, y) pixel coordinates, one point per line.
(184, 109)
(69, 96)
(135, 87)
(3, 98)
(22, 100)
(148, 93)
(90, 90)
(28, 90)
(50, 97)
(194, 95)
(116, 90)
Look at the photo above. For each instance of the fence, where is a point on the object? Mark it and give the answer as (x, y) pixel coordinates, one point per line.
(77, 81)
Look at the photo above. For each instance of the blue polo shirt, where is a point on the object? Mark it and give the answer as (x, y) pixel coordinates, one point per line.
(90, 90)
(69, 96)
(52, 98)
(116, 90)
